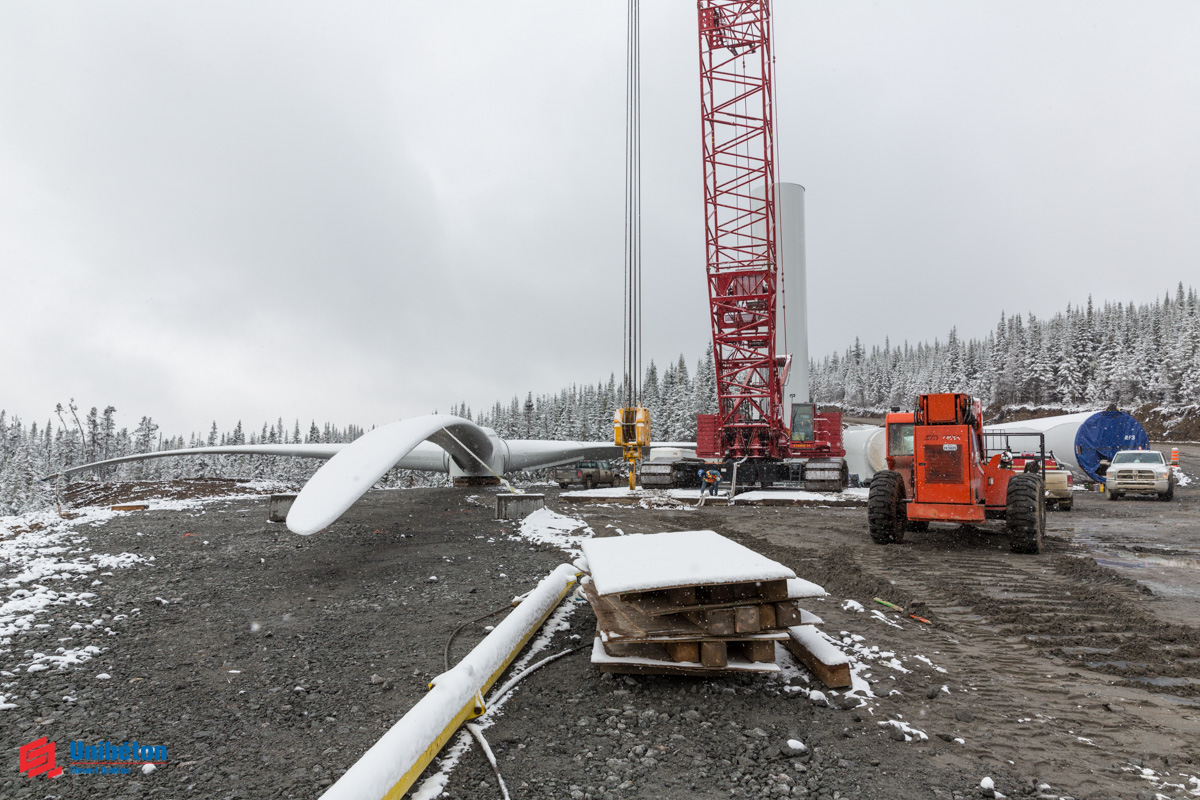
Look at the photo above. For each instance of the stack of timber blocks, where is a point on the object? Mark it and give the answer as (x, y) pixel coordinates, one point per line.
(696, 603)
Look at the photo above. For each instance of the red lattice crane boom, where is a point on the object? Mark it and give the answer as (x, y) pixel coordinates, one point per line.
(737, 113)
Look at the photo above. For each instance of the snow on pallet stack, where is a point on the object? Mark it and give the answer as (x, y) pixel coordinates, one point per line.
(696, 603)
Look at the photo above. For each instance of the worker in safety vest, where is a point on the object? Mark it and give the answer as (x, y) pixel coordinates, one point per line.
(711, 480)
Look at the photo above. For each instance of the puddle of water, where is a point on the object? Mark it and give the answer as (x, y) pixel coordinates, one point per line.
(1165, 561)
(1118, 665)
(1117, 563)
(1168, 681)
(1064, 637)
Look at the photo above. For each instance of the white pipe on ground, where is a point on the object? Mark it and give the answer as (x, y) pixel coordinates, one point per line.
(395, 762)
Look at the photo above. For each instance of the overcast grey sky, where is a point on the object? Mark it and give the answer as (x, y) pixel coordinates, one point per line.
(367, 210)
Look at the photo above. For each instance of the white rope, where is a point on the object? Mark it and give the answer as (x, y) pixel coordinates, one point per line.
(477, 732)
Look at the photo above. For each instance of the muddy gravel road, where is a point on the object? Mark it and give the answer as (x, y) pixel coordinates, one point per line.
(266, 663)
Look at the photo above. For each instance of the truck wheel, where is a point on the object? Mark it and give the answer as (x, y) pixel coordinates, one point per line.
(1066, 505)
(885, 508)
(587, 483)
(1025, 510)
(563, 485)
(1114, 496)
(1169, 494)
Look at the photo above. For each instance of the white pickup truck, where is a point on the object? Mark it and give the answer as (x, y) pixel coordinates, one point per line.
(1139, 472)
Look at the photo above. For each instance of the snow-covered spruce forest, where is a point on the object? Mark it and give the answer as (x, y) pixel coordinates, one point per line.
(1084, 357)
(71, 437)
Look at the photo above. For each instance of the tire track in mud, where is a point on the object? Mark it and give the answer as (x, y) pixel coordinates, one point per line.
(1060, 604)
(1021, 637)
(1023, 640)
(1066, 608)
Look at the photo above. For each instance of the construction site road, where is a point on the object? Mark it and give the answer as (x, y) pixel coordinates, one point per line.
(267, 663)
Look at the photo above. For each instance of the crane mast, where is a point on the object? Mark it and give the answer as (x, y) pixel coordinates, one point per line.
(737, 119)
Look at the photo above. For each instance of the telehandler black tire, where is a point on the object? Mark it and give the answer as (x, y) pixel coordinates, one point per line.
(1025, 511)
(885, 508)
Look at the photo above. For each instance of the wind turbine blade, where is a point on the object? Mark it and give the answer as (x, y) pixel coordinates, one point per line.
(295, 450)
(352, 472)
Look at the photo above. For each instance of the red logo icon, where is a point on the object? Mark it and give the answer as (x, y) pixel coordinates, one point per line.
(37, 758)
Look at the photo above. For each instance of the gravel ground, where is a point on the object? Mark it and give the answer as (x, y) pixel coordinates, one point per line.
(267, 663)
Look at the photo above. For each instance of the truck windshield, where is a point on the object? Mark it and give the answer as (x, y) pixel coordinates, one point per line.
(900, 439)
(1142, 457)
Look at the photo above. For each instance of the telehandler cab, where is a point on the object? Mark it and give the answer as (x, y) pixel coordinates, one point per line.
(939, 470)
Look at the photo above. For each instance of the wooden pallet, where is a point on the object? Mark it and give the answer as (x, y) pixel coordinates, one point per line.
(822, 658)
(704, 628)
(709, 652)
(626, 619)
(684, 598)
(638, 665)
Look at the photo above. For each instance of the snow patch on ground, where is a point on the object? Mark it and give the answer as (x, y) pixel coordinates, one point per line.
(616, 491)
(1166, 781)
(549, 527)
(864, 659)
(884, 618)
(41, 556)
(910, 733)
(855, 495)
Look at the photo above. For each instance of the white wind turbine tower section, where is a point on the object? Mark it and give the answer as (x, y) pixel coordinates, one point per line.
(792, 336)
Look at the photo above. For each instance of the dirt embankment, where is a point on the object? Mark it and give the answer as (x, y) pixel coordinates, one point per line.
(1170, 424)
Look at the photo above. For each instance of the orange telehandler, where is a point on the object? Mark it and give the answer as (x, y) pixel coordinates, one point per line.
(940, 470)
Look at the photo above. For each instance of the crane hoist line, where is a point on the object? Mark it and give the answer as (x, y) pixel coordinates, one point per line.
(631, 423)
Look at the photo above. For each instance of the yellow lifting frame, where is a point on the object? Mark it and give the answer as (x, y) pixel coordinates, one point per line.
(631, 432)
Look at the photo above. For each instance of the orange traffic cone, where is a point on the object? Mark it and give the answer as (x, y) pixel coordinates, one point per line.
(1174, 456)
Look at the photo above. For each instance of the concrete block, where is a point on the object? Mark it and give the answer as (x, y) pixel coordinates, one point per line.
(280, 505)
(518, 506)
